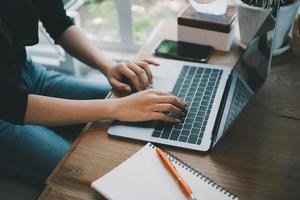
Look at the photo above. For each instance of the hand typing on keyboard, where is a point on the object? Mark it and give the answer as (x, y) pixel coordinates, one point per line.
(130, 76)
(133, 88)
(149, 105)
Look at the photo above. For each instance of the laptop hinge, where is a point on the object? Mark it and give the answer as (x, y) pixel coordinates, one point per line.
(221, 110)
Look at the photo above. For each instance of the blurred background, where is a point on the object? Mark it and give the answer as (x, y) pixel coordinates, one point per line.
(118, 27)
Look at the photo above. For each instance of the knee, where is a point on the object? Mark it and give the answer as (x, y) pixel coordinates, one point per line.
(105, 90)
(33, 151)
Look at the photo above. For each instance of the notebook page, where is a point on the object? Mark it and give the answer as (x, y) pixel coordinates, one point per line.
(200, 188)
(143, 176)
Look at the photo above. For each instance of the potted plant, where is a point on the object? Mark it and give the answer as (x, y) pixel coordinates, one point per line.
(251, 14)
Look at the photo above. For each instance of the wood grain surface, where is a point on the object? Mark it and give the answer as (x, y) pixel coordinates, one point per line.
(257, 159)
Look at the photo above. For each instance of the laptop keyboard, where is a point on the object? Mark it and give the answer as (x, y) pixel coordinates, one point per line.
(198, 87)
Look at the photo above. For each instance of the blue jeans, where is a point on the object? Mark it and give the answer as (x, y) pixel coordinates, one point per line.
(34, 151)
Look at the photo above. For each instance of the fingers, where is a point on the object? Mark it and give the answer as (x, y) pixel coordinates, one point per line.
(164, 117)
(128, 73)
(158, 92)
(120, 86)
(173, 100)
(151, 61)
(166, 97)
(140, 72)
(168, 108)
(145, 66)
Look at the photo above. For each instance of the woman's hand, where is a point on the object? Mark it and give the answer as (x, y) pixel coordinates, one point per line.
(138, 73)
(149, 105)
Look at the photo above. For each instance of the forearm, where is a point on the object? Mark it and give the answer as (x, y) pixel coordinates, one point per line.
(79, 46)
(51, 111)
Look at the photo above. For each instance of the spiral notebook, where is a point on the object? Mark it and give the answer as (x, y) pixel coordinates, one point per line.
(143, 176)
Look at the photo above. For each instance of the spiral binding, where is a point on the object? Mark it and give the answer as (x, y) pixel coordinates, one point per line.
(197, 173)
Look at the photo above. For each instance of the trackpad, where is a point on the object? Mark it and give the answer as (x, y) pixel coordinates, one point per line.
(163, 84)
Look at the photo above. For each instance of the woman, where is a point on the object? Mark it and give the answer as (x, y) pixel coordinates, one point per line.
(33, 99)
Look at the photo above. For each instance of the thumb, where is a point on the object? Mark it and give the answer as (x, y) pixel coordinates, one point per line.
(120, 86)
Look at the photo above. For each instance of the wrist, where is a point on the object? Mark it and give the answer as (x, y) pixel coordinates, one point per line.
(113, 108)
(104, 66)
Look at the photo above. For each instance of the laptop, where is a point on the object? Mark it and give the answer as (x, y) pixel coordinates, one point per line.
(215, 94)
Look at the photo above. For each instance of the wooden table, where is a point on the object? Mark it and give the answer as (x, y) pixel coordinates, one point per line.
(258, 158)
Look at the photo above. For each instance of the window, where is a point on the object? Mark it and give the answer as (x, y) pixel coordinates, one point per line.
(117, 26)
(125, 24)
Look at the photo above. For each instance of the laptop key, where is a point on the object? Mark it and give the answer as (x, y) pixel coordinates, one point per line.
(185, 132)
(193, 109)
(197, 99)
(192, 139)
(194, 85)
(204, 80)
(206, 98)
(192, 89)
(165, 135)
(181, 96)
(209, 88)
(207, 71)
(191, 114)
(200, 114)
(183, 90)
(187, 126)
(197, 124)
(199, 141)
(202, 84)
(189, 120)
(206, 76)
(188, 99)
(156, 133)
(175, 135)
(183, 138)
(195, 131)
(202, 89)
(199, 92)
(201, 134)
(208, 93)
(200, 69)
(205, 103)
(190, 94)
(195, 104)
(199, 95)
(185, 68)
(202, 108)
(178, 126)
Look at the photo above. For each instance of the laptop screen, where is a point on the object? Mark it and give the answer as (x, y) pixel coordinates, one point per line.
(255, 62)
(249, 73)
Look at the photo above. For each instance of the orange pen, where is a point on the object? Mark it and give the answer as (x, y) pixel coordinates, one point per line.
(185, 188)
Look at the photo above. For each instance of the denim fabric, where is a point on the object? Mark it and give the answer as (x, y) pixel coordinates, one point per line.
(33, 151)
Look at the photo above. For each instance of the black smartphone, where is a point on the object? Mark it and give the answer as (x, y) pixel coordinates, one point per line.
(184, 51)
